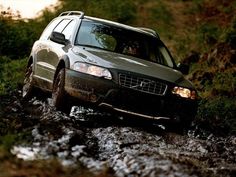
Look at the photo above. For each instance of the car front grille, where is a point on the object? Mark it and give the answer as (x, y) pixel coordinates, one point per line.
(142, 84)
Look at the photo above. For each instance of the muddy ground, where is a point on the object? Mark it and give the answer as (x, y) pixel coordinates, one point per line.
(122, 147)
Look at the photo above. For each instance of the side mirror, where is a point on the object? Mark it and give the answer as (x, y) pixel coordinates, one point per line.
(183, 68)
(58, 38)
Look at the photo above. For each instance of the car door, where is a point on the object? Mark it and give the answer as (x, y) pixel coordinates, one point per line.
(48, 57)
(40, 54)
(56, 50)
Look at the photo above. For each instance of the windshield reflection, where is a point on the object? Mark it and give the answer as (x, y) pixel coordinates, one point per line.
(123, 41)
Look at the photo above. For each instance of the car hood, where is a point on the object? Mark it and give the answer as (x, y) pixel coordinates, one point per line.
(132, 64)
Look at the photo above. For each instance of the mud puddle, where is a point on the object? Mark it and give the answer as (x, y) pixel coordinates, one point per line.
(125, 148)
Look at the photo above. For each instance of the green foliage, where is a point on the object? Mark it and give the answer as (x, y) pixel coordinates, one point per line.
(7, 141)
(11, 74)
(230, 32)
(217, 115)
(120, 11)
(225, 82)
(182, 46)
(217, 84)
(16, 37)
(44, 19)
(208, 35)
(214, 74)
(162, 18)
(198, 6)
(161, 13)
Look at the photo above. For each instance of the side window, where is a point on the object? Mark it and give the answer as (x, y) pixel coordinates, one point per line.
(69, 29)
(61, 25)
(48, 30)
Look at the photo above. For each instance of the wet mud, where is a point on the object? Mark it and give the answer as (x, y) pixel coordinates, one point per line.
(123, 147)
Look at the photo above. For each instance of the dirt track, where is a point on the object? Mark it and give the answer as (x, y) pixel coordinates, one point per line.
(121, 147)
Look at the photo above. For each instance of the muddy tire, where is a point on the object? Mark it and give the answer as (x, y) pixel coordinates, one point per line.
(181, 127)
(59, 99)
(27, 89)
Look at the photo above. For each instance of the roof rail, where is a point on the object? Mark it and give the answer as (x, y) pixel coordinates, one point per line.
(67, 13)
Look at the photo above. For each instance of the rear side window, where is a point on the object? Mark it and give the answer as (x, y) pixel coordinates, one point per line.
(48, 30)
(69, 29)
(61, 25)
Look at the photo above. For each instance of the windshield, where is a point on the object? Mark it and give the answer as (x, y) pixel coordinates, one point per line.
(123, 41)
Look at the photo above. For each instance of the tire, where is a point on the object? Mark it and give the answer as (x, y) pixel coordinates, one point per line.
(27, 89)
(180, 127)
(59, 99)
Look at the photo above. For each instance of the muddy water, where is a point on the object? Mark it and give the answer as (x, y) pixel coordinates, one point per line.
(124, 147)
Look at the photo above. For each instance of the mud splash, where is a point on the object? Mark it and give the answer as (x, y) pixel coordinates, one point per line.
(124, 147)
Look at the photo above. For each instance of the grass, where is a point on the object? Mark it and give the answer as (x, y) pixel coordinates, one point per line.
(217, 115)
(11, 74)
(161, 19)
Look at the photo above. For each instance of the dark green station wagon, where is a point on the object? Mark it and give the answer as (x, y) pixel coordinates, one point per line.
(85, 60)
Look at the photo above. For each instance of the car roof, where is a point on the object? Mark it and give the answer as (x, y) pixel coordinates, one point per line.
(116, 24)
(81, 15)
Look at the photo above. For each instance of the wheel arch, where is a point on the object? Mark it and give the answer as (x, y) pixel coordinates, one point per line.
(63, 63)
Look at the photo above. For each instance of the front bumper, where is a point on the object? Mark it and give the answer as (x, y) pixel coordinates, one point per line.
(109, 94)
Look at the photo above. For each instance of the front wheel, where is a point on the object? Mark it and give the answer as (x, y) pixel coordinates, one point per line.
(180, 127)
(59, 99)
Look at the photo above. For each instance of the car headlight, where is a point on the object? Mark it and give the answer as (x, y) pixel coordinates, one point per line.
(184, 92)
(92, 70)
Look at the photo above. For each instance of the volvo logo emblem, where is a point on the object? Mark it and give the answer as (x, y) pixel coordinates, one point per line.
(142, 84)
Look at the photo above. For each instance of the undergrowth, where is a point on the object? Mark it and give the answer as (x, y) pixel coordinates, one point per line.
(217, 115)
(11, 74)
